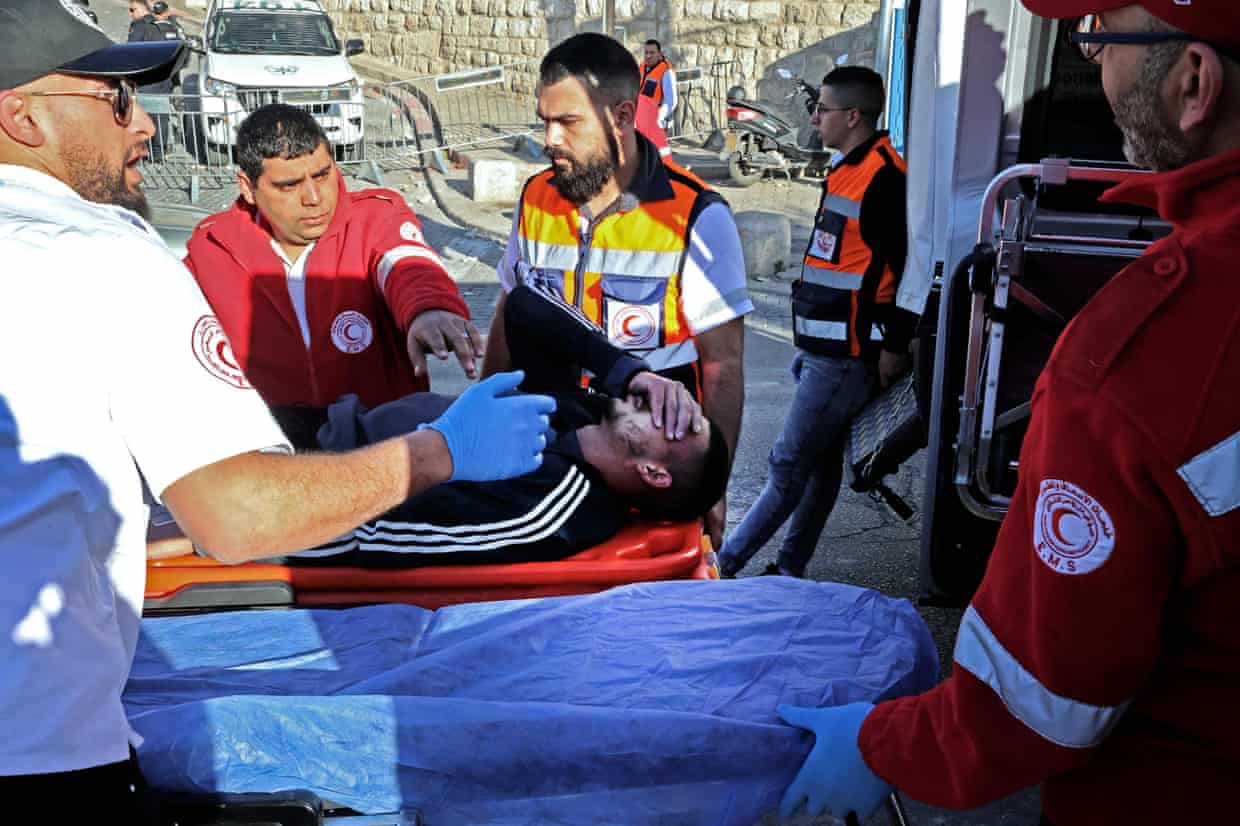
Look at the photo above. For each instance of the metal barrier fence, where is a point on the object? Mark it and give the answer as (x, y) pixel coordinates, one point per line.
(701, 108)
(388, 126)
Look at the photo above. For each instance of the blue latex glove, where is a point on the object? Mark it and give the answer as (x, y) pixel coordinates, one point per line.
(493, 433)
(798, 361)
(834, 777)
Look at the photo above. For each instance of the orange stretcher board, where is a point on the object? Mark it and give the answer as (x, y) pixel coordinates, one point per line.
(640, 552)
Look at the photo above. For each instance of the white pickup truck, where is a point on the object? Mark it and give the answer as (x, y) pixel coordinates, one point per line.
(255, 52)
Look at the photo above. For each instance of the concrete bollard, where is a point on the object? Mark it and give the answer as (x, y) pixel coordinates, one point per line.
(766, 242)
(493, 181)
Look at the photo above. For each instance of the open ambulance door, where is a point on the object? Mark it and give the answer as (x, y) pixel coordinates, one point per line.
(1010, 142)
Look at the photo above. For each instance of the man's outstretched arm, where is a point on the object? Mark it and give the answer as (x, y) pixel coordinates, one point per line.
(257, 505)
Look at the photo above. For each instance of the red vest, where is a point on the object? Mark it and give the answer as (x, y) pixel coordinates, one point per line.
(366, 279)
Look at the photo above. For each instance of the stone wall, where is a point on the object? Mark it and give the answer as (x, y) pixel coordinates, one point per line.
(437, 36)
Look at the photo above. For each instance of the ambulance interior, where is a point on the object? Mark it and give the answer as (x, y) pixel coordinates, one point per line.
(1009, 243)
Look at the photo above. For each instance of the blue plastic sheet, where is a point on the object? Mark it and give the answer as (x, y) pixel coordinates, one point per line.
(651, 703)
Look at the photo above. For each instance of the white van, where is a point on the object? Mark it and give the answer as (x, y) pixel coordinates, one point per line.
(256, 52)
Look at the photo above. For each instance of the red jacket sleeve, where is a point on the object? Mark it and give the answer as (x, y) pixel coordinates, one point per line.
(406, 271)
(1064, 629)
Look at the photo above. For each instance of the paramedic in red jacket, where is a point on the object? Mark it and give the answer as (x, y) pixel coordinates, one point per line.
(1101, 655)
(323, 291)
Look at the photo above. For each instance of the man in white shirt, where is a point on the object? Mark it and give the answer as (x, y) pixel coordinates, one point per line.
(92, 307)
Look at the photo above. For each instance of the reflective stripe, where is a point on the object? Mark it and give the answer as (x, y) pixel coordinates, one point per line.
(633, 262)
(1063, 721)
(838, 279)
(397, 254)
(548, 256)
(1214, 476)
(828, 330)
(844, 206)
(673, 355)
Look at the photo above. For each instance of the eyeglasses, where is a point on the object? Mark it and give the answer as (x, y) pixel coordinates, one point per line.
(819, 109)
(1089, 36)
(122, 98)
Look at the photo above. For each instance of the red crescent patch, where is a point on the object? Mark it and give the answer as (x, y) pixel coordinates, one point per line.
(214, 353)
(1072, 532)
(633, 326)
(352, 332)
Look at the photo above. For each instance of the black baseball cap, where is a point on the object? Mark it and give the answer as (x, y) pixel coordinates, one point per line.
(41, 37)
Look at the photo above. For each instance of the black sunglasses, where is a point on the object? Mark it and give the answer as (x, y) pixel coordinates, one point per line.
(122, 98)
(1089, 36)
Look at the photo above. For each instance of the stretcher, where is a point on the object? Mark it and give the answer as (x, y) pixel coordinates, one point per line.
(641, 552)
(651, 703)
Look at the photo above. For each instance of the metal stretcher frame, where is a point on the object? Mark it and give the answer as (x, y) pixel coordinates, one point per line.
(991, 292)
(640, 552)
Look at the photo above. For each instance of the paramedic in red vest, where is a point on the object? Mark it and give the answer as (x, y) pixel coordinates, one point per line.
(642, 247)
(1100, 656)
(323, 291)
(659, 82)
(848, 331)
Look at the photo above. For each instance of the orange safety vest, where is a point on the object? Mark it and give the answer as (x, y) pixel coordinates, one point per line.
(623, 270)
(842, 280)
(652, 80)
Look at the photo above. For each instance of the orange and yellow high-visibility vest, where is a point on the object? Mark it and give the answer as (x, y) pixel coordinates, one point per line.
(842, 281)
(623, 269)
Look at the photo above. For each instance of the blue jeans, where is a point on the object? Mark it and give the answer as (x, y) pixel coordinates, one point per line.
(807, 465)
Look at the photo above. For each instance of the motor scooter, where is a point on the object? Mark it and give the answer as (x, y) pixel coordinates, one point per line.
(760, 139)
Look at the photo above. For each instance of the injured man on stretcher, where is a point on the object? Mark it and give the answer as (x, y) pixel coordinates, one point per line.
(606, 461)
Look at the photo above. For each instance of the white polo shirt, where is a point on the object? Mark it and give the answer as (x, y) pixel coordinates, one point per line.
(111, 363)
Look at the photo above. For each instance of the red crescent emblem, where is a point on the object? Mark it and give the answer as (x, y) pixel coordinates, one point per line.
(214, 353)
(351, 332)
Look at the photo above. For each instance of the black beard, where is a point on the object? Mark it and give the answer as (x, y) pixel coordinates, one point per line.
(581, 181)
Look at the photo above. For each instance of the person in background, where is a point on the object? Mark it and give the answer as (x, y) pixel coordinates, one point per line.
(167, 22)
(1100, 657)
(848, 332)
(145, 28)
(658, 82)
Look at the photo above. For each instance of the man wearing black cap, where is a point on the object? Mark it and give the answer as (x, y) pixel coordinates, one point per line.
(1101, 653)
(92, 306)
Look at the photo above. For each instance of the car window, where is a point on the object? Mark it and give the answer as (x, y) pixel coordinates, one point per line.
(267, 33)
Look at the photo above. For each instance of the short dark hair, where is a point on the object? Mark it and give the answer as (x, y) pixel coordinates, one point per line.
(655, 43)
(698, 482)
(600, 62)
(858, 87)
(276, 130)
(159, 7)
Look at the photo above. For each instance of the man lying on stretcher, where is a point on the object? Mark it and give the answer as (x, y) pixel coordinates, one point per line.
(605, 458)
